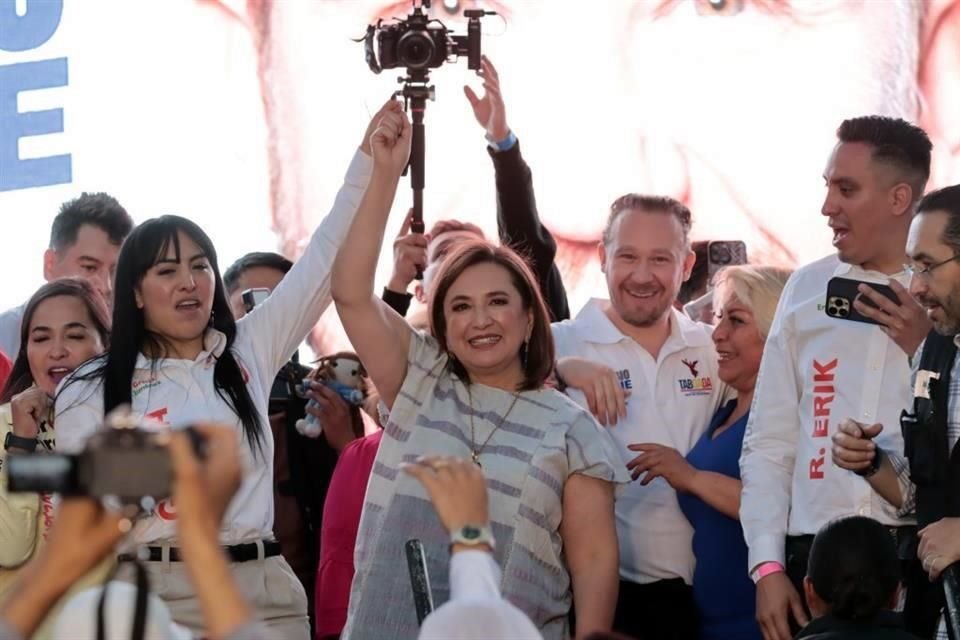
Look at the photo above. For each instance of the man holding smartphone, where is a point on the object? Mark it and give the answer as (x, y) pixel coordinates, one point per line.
(819, 370)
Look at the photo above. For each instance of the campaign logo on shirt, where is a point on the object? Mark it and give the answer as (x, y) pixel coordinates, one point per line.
(695, 385)
(624, 377)
(139, 386)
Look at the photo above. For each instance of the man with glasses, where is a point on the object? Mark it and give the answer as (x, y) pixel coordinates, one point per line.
(934, 248)
(818, 371)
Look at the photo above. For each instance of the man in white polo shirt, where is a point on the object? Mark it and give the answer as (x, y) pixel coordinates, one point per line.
(668, 364)
(818, 370)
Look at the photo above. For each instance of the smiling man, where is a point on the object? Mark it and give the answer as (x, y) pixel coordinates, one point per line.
(669, 363)
(84, 242)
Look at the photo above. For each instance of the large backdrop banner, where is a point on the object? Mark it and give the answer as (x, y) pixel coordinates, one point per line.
(243, 114)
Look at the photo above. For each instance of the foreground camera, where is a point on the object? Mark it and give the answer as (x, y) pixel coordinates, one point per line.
(127, 463)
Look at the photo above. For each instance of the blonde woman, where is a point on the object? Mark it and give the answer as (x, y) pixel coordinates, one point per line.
(707, 480)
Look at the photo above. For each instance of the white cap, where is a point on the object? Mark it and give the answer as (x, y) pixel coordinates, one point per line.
(476, 610)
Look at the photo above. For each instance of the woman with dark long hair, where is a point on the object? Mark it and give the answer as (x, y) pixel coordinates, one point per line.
(180, 357)
(64, 324)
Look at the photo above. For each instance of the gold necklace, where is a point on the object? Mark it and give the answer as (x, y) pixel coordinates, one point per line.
(476, 451)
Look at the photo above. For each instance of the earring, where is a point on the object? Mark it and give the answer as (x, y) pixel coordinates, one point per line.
(523, 354)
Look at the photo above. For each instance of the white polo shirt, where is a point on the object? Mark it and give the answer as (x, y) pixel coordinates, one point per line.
(816, 371)
(672, 401)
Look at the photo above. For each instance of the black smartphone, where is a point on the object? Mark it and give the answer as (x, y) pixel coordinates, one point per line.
(841, 292)
(724, 253)
(419, 579)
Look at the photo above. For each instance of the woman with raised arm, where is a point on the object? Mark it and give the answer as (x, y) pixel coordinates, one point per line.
(474, 388)
(179, 357)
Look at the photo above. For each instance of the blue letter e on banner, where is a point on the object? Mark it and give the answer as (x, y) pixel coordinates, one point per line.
(23, 33)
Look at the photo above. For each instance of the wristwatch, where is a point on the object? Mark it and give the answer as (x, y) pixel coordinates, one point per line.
(473, 536)
(874, 464)
(19, 442)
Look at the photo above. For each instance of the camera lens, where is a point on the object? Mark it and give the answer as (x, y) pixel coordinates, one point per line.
(720, 254)
(415, 49)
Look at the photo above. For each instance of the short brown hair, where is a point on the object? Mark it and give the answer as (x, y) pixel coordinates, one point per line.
(540, 352)
(651, 204)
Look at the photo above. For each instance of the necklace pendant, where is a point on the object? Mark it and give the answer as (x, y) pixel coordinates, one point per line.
(476, 459)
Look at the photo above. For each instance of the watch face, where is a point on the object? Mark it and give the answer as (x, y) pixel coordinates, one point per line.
(470, 533)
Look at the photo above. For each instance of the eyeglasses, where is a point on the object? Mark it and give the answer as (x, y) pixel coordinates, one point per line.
(925, 272)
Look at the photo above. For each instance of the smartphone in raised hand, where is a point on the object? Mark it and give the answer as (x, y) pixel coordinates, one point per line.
(842, 292)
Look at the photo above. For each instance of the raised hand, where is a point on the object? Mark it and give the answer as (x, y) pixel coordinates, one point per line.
(203, 490)
(489, 110)
(390, 140)
(906, 323)
(390, 105)
(457, 489)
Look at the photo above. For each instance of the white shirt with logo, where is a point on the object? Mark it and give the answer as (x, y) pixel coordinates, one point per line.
(672, 401)
(181, 392)
(816, 371)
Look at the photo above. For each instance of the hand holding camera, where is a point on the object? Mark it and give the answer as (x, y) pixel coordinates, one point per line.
(203, 487)
(126, 461)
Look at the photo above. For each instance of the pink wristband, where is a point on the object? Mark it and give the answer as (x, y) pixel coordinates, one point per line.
(765, 569)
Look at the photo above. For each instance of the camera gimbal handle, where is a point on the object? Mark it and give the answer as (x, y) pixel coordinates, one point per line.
(415, 92)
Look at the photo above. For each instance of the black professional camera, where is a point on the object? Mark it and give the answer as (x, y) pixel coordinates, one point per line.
(129, 463)
(419, 42)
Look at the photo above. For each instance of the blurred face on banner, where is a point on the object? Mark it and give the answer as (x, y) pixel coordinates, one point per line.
(729, 106)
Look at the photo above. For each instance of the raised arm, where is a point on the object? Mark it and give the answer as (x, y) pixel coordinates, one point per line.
(275, 328)
(379, 335)
(518, 222)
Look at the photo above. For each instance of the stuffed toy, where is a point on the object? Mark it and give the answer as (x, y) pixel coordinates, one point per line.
(343, 373)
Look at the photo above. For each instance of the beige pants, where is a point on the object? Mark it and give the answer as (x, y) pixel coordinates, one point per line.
(269, 585)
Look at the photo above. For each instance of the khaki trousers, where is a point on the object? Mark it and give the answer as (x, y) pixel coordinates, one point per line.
(269, 585)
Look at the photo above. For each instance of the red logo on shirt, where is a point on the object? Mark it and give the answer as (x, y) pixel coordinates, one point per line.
(823, 395)
(166, 510)
(692, 366)
(158, 415)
